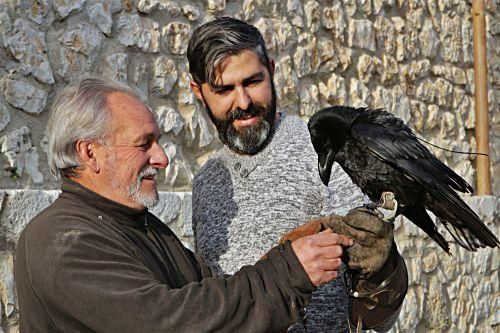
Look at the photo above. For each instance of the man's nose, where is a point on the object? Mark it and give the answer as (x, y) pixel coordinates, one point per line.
(242, 99)
(158, 157)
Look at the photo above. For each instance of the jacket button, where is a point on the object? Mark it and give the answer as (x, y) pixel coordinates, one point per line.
(244, 173)
(237, 166)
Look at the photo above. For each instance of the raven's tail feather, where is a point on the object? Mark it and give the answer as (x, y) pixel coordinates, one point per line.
(462, 236)
(468, 230)
(462, 222)
(420, 217)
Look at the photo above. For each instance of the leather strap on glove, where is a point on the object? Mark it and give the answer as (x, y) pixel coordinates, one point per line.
(377, 280)
(374, 300)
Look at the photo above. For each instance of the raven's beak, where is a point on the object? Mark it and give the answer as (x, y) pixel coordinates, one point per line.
(325, 162)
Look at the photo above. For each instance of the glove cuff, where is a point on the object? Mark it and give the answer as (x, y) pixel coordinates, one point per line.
(372, 301)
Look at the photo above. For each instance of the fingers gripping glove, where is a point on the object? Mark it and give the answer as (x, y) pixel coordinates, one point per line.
(372, 237)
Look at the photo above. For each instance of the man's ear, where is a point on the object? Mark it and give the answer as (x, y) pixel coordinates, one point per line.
(196, 89)
(87, 152)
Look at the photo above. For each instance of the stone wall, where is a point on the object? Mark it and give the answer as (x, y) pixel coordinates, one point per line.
(413, 58)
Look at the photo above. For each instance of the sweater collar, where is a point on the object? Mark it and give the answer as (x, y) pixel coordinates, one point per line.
(118, 212)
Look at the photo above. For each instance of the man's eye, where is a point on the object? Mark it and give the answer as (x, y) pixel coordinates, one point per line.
(144, 146)
(222, 91)
(254, 82)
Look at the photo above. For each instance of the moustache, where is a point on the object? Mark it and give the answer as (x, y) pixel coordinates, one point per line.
(148, 171)
(251, 111)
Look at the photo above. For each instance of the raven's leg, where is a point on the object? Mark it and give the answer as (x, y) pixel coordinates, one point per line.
(388, 201)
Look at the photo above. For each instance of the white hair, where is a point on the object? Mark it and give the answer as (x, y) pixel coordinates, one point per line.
(79, 112)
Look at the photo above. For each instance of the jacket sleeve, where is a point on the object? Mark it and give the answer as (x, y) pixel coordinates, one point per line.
(96, 280)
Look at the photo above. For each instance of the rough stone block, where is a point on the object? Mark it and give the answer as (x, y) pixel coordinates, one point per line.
(216, 5)
(312, 13)
(4, 116)
(63, 8)
(385, 34)
(309, 99)
(82, 38)
(164, 76)
(191, 12)
(143, 32)
(334, 92)
(333, 19)
(28, 46)
(100, 15)
(361, 34)
(25, 96)
(171, 8)
(296, 12)
(176, 36)
(286, 82)
(21, 155)
(116, 67)
(169, 120)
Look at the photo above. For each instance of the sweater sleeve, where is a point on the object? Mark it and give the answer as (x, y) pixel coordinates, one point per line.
(88, 277)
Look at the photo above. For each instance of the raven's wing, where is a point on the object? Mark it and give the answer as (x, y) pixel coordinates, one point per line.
(394, 142)
(389, 138)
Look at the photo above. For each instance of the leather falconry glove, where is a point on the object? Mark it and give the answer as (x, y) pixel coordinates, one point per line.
(372, 237)
(377, 280)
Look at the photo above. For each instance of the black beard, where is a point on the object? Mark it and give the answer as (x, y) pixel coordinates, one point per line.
(249, 140)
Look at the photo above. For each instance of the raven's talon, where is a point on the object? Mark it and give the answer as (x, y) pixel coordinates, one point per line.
(389, 202)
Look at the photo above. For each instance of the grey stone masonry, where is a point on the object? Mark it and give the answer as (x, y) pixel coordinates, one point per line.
(411, 57)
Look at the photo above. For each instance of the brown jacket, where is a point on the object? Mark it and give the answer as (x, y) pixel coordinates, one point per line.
(88, 264)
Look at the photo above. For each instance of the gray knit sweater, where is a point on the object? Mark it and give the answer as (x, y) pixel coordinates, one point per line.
(243, 204)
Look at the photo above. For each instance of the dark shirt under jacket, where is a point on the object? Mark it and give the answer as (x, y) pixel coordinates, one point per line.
(88, 264)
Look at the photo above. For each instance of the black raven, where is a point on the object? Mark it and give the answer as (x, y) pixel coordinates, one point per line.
(381, 154)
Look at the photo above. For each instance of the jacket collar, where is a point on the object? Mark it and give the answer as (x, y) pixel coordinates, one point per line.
(122, 214)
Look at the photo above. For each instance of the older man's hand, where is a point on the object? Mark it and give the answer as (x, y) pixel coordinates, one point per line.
(372, 237)
(320, 255)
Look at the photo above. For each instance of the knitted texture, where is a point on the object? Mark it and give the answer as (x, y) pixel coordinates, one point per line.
(243, 204)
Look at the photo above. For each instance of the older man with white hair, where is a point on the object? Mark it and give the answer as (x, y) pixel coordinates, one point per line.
(97, 261)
